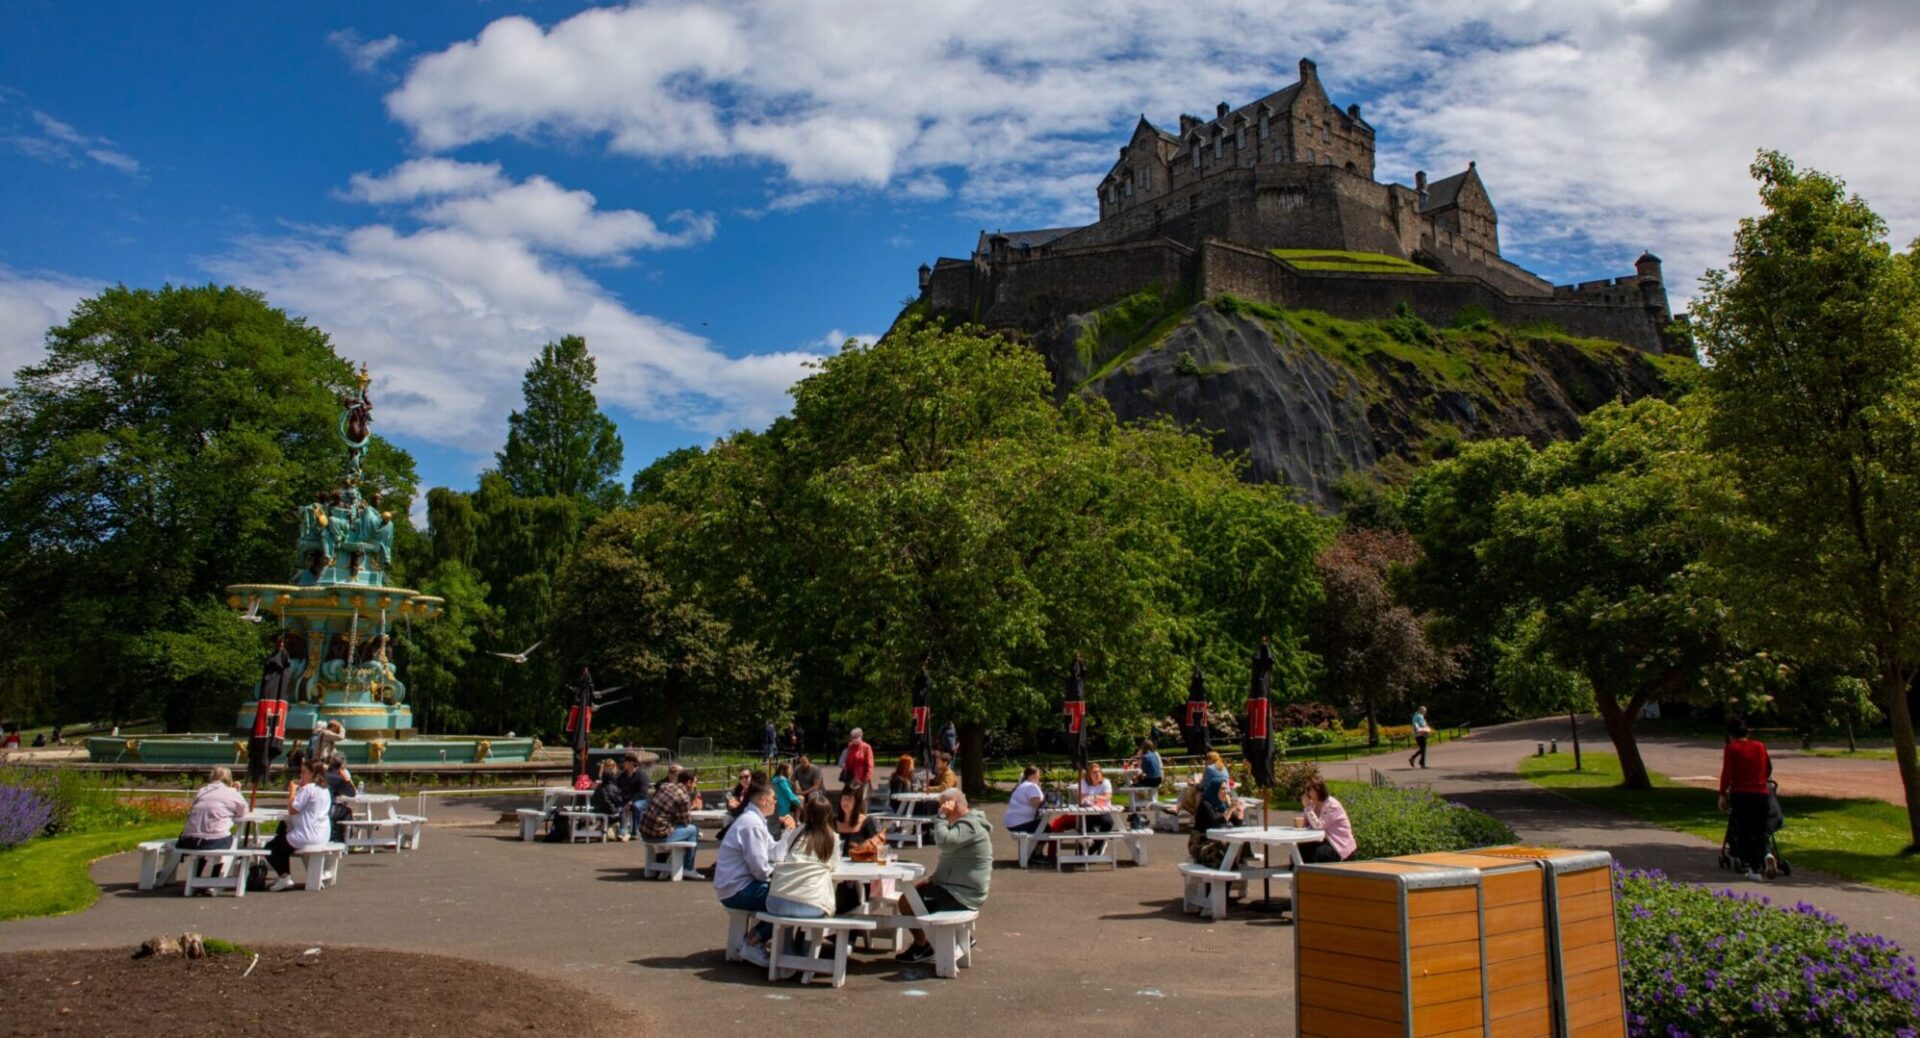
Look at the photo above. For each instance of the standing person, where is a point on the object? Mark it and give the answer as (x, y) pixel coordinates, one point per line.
(216, 806)
(856, 768)
(769, 744)
(950, 739)
(1328, 815)
(321, 744)
(634, 791)
(920, 741)
(668, 817)
(1420, 733)
(743, 873)
(960, 880)
(799, 738)
(308, 823)
(1745, 768)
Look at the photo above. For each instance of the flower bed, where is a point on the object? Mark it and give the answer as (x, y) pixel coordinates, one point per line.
(1704, 962)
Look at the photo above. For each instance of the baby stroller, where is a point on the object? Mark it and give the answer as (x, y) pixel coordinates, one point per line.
(1776, 820)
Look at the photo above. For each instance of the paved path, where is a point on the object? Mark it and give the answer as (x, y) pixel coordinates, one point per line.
(1696, 762)
(1480, 772)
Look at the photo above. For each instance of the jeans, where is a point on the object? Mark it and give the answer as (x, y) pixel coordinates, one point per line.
(630, 816)
(1024, 827)
(204, 843)
(1421, 753)
(750, 898)
(682, 833)
(781, 906)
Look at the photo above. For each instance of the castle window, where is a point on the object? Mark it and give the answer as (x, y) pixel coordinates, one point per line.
(1326, 131)
(1309, 156)
(1129, 188)
(1266, 127)
(1240, 137)
(1216, 145)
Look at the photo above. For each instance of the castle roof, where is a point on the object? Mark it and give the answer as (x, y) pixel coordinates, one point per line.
(1446, 191)
(1279, 101)
(1031, 239)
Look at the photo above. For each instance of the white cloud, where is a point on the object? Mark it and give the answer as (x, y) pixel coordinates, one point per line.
(29, 305)
(57, 143)
(365, 55)
(1601, 128)
(450, 309)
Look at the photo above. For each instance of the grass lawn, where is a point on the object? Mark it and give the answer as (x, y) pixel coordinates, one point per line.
(1861, 754)
(48, 875)
(1860, 840)
(1352, 262)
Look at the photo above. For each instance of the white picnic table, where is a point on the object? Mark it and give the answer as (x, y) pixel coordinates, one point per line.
(1080, 813)
(1267, 838)
(571, 797)
(1139, 798)
(903, 824)
(251, 822)
(708, 816)
(378, 824)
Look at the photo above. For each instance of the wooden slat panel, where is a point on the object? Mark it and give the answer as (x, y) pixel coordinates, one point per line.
(1517, 972)
(1510, 918)
(1612, 1027)
(1536, 1024)
(1521, 944)
(1445, 958)
(1435, 988)
(1586, 932)
(1442, 902)
(1358, 1001)
(1592, 881)
(1604, 955)
(1595, 1016)
(1465, 1032)
(1517, 998)
(1527, 886)
(1357, 887)
(1599, 984)
(1329, 1023)
(1384, 977)
(1443, 929)
(1449, 1016)
(1585, 906)
(1342, 940)
(1345, 911)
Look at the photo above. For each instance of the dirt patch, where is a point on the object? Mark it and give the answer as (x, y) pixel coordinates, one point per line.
(341, 990)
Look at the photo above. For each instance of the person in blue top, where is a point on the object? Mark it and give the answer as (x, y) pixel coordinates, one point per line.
(769, 744)
(784, 798)
(1151, 772)
(1420, 733)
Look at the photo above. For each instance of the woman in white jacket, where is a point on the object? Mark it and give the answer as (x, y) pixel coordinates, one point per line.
(802, 885)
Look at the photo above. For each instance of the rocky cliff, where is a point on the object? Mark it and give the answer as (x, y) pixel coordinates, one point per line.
(1309, 398)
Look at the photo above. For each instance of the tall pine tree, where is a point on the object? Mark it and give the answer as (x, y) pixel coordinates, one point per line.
(562, 445)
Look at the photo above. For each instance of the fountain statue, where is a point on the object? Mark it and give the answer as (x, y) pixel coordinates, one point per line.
(335, 620)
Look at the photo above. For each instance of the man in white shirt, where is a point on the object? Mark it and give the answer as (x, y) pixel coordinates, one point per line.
(744, 868)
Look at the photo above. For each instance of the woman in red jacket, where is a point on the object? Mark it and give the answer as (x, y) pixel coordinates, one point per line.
(1744, 771)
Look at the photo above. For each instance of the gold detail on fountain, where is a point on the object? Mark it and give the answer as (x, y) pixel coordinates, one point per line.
(481, 750)
(376, 750)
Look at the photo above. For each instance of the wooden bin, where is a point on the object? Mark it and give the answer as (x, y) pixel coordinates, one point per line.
(1590, 1001)
(1519, 947)
(1388, 949)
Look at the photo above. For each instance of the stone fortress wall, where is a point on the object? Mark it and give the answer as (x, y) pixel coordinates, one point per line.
(1200, 209)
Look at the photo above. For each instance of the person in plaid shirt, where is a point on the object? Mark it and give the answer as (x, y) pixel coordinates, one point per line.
(668, 819)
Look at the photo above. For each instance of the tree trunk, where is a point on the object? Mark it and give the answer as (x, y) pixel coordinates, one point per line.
(1619, 722)
(1894, 681)
(973, 758)
(1373, 723)
(1573, 723)
(1851, 748)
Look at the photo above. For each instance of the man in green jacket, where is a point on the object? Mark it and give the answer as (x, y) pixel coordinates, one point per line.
(960, 880)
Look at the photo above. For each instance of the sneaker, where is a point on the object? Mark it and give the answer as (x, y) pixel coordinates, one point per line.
(626, 837)
(1772, 871)
(754, 953)
(692, 874)
(915, 953)
(283, 883)
(1752, 876)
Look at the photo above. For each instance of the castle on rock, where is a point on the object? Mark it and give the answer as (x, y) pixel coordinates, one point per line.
(1276, 201)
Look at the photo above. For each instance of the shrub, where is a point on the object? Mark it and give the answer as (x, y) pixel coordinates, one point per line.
(1185, 364)
(1389, 822)
(1406, 326)
(80, 802)
(1308, 715)
(1289, 781)
(1704, 962)
(24, 814)
(1291, 737)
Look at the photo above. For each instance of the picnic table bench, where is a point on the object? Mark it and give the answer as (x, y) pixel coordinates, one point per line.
(1207, 890)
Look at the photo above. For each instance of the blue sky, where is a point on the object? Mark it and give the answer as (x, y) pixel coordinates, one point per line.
(715, 194)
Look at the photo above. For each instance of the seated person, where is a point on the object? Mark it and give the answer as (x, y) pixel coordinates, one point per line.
(634, 790)
(939, 780)
(960, 879)
(339, 787)
(802, 882)
(1325, 813)
(1215, 784)
(743, 874)
(1149, 772)
(1095, 790)
(808, 777)
(1023, 807)
(309, 819)
(903, 779)
(606, 792)
(216, 806)
(1208, 814)
(860, 840)
(668, 816)
(785, 799)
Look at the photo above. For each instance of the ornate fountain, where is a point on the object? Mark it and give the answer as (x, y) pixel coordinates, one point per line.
(338, 616)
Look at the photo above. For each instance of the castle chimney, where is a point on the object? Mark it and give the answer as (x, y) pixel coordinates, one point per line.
(1220, 110)
(1353, 112)
(1420, 185)
(1648, 267)
(1308, 70)
(926, 275)
(1188, 122)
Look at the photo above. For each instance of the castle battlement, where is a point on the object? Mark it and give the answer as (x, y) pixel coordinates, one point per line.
(1291, 170)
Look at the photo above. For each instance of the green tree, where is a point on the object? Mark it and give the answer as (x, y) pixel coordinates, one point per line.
(1374, 651)
(562, 444)
(685, 669)
(157, 454)
(1813, 334)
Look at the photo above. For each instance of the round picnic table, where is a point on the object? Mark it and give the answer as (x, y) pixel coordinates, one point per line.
(867, 873)
(708, 816)
(251, 821)
(1240, 837)
(553, 795)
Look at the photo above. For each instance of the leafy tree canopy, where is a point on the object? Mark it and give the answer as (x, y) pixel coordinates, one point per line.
(561, 444)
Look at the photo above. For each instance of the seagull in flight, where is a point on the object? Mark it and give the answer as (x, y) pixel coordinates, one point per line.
(252, 615)
(517, 657)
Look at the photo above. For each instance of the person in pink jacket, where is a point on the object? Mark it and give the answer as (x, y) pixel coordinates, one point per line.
(858, 769)
(1325, 813)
